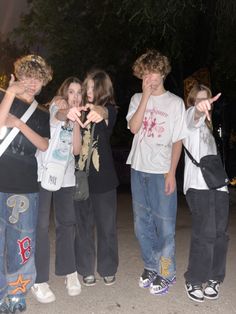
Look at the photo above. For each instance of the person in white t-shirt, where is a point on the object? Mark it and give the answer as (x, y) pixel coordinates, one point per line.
(67, 145)
(156, 118)
(209, 207)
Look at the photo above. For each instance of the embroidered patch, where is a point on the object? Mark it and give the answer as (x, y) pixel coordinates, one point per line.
(165, 263)
(19, 285)
(19, 204)
(25, 249)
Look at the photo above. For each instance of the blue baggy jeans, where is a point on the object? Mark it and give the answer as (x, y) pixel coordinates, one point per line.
(18, 215)
(154, 222)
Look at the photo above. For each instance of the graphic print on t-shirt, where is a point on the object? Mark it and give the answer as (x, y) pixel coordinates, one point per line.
(85, 149)
(62, 150)
(153, 124)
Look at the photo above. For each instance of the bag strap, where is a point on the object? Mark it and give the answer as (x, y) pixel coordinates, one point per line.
(13, 133)
(191, 157)
(90, 150)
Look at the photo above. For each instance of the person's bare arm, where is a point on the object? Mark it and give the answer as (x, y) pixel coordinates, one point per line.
(37, 140)
(137, 119)
(170, 181)
(76, 138)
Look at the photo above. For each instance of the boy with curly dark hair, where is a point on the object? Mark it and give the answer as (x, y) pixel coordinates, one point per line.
(156, 118)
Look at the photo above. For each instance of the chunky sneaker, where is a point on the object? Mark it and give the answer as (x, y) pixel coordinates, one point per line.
(147, 277)
(43, 293)
(171, 281)
(89, 280)
(211, 290)
(109, 280)
(194, 292)
(73, 285)
(16, 303)
(4, 307)
(159, 286)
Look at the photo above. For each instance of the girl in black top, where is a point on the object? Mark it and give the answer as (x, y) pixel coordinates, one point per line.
(100, 209)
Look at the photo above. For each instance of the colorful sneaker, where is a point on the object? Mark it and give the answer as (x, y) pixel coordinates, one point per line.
(211, 290)
(16, 303)
(43, 293)
(73, 285)
(159, 286)
(147, 277)
(109, 280)
(194, 292)
(4, 307)
(171, 281)
(89, 280)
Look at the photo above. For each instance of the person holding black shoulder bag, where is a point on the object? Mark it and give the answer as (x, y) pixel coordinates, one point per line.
(205, 186)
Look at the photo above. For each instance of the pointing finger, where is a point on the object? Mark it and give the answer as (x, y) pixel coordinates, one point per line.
(211, 100)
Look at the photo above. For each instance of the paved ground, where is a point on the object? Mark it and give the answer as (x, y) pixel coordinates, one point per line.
(125, 297)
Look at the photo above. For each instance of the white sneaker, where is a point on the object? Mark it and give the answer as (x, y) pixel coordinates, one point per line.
(73, 285)
(43, 293)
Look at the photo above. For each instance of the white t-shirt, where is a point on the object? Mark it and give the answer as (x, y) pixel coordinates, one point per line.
(199, 142)
(163, 124)
(60, 149)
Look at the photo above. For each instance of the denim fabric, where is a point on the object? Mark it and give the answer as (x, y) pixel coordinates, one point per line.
(154, 222)
(18, 216)
(209, 238)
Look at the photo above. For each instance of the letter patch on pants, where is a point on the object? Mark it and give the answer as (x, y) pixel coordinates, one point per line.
(19, 204)
(25, 249)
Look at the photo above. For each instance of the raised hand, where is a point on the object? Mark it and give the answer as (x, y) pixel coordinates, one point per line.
(60, 102)
(205, 105)
(16, 87)
(147, 85)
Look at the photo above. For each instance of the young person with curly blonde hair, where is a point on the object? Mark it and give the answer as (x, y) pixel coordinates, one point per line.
(18, 180)
(156, 118)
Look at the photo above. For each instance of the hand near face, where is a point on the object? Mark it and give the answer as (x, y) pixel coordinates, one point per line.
(16, 87)
(26, 87)
(147, 85)
(204, 106)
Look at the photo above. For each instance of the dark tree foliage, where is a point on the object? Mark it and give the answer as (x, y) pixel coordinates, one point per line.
(76, 35)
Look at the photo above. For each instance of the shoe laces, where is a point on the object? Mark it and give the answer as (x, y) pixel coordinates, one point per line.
(212, 283)
(148, 274)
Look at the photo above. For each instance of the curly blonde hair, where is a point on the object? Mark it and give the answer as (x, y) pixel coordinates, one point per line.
(33, 66)
(152, 62)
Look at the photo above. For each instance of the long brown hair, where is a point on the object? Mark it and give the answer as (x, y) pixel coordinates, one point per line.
(63, 89)
(103, 88)
(192, 97)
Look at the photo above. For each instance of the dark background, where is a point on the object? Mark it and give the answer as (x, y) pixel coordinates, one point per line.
(75, 35)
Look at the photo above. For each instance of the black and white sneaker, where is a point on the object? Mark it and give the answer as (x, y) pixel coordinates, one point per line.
(194, 292)
(159, 286)
(89, 281)
(211, 290)
(147, 277)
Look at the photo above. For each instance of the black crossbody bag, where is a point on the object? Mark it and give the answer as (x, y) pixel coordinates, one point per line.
(212, 170)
